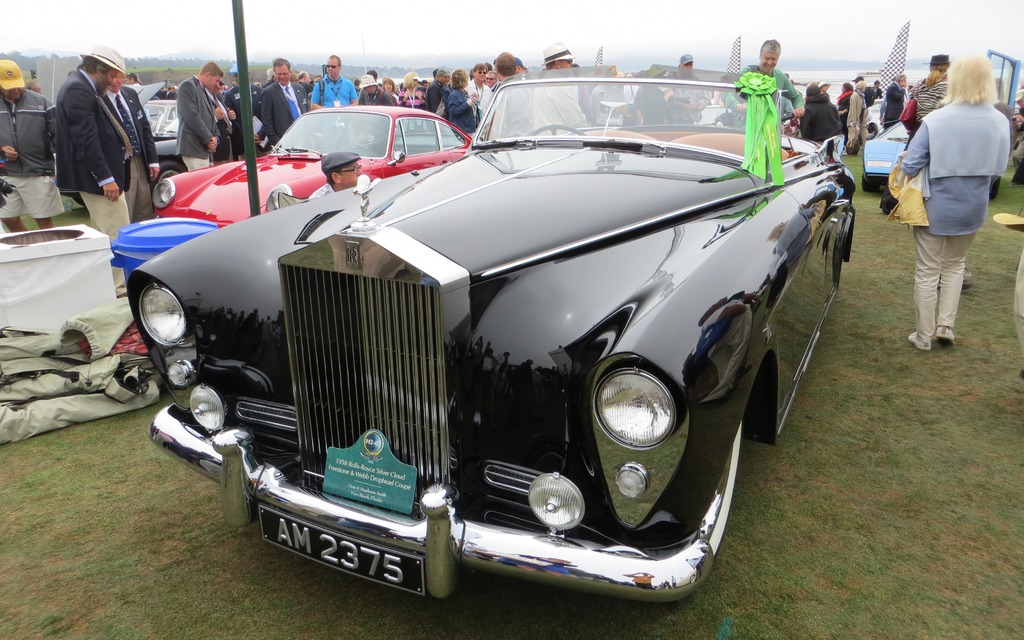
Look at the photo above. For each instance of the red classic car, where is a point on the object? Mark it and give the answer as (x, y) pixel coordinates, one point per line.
(391, 141)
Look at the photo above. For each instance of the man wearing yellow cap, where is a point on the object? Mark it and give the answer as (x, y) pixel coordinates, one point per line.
(27, 132)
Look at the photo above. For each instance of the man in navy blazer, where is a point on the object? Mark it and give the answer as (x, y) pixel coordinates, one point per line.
(92, 149)
(283, 102)
(144, 166)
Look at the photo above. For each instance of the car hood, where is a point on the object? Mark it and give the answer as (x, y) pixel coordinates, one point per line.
(881, 155)
(221, 193)
(491, 213)
(490, 210)
(486, 212)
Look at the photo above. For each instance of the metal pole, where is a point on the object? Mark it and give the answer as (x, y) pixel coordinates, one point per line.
(245, 119)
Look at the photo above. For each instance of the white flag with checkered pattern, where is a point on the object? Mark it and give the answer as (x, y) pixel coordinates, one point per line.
(734, 58)
(600, 57)
(897, 57)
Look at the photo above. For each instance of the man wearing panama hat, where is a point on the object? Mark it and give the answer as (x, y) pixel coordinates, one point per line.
(557, 105)
(93, 150)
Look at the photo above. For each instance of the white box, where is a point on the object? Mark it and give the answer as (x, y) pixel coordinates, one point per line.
(50, 275)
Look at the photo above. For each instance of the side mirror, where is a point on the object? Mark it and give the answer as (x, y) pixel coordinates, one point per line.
(396, 158)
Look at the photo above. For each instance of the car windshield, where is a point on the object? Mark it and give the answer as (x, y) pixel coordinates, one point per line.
(895, 133)
(660, 108)
(326, 131)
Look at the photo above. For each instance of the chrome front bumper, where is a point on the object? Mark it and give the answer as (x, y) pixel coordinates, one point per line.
(442, 538)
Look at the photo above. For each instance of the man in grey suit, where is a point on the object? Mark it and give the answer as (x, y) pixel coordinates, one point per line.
(283, 102)
(198, 112)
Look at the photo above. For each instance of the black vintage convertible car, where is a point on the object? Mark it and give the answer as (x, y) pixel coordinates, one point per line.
(538, 361)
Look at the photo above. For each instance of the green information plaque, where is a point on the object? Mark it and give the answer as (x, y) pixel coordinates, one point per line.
(368, 472)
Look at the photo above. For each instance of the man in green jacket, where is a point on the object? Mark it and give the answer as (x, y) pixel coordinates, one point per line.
(769, 58)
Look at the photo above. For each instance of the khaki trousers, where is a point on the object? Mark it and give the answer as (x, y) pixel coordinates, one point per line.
(192, 163)
(139, 196)
(938, 258)
(108, 217)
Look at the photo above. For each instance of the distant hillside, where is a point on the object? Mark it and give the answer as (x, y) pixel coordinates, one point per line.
(169, 67)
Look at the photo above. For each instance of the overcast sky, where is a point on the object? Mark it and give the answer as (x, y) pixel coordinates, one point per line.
(402, 32)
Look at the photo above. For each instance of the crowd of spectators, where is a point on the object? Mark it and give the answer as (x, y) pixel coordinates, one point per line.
(99, 134)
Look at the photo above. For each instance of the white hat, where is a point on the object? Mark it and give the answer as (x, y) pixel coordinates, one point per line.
(556, 51)
(107, 56)
(367, 80)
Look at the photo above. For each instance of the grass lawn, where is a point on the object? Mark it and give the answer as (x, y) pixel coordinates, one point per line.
(891, 507)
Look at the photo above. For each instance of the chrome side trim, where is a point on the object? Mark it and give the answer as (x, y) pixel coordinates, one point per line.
(446, 540)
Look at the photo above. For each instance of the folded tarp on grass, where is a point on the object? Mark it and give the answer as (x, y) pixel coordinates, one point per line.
(93, 367)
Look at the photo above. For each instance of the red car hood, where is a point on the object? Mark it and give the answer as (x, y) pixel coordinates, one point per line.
(221, 193)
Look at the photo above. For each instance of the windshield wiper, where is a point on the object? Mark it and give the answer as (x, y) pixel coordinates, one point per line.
(634, 146)
(518, 143)
(299, 150)
(629, 146)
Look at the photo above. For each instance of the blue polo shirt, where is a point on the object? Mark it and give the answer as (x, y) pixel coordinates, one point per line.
(342, 91)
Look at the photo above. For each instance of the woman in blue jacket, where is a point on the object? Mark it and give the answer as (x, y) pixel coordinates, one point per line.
(461, 108)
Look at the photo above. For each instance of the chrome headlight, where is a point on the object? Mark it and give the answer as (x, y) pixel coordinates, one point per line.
(556, 501)
(273, 201)
(163, 193)
(632, 479)
(163, 317)
(635, 409)
(181, 374)
(207, 407)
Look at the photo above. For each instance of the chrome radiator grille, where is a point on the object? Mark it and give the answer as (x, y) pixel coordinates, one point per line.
(367, 353)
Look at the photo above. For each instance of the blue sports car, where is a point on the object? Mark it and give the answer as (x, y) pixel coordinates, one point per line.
(880, 156)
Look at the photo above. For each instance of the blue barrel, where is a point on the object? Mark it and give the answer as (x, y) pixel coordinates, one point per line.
(141, 241)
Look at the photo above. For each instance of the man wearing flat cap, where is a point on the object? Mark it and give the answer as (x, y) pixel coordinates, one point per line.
(558, 105)
(27, 134)
(342, 171)
(93, 150)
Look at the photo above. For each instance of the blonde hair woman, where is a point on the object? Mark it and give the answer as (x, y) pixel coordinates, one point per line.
(965, 146)
(411, 94)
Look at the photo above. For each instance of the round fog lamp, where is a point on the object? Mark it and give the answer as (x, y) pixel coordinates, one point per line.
(207, 407)
(556, 501)
(632, 479)
(180, 374)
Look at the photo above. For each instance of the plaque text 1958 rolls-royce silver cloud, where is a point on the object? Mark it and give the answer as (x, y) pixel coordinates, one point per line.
(538, 361)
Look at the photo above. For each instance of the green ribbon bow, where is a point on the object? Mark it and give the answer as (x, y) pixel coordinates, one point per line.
(762, 146)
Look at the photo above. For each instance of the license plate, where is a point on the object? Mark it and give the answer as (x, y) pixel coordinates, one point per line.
(367, 560)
